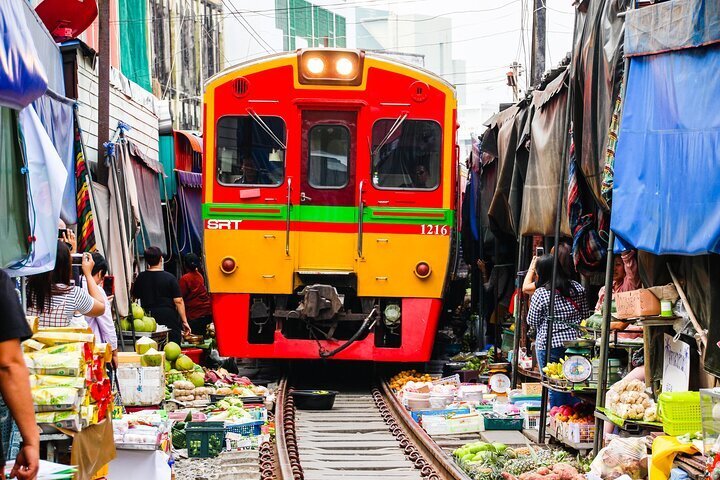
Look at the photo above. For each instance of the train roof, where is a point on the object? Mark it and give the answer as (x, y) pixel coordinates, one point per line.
(368, 54)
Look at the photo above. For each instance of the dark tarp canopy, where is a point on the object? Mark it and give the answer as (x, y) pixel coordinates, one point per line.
(594, 83)
(14, 222)
(548, 135)
(504, 213)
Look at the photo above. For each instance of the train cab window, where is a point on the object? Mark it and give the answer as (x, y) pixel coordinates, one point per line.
(406, 154)
(251, 150)
(329, 153)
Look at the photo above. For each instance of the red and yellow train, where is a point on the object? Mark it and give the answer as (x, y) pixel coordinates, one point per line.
(329, 202)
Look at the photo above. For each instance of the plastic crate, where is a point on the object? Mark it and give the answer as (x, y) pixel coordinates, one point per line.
(680, 412)
(503, 423)
(580, 432)
(205, 439)
(531, 422)
(249, 429)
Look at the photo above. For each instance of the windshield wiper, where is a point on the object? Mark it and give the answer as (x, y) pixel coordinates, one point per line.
(398, 121)
(265, 127)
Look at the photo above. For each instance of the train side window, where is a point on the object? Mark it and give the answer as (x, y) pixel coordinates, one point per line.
(409, 156)
(329, 154)
(247, 154)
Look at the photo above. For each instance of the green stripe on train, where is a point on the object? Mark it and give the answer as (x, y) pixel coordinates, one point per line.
(314, 213)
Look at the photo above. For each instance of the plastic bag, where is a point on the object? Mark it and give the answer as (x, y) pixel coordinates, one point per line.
(623, 456)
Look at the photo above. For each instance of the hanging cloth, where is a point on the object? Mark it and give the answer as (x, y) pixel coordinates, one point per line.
(47, 176)
(22, 77)
(589, 229)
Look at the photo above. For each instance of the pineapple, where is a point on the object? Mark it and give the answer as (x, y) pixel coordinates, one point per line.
(519, 466)
(487, 474)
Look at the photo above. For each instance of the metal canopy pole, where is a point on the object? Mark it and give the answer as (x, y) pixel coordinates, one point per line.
(561, 192)
(518, 310)
(604, 342)
(551, 308)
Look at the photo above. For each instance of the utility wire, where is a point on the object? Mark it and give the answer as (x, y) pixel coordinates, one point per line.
(249, 28)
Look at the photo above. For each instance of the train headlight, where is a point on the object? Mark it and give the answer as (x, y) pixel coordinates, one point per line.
(344, 66)
(315, 65)
(423, 270)
(330, 66)
(228, 265)
(392, 314)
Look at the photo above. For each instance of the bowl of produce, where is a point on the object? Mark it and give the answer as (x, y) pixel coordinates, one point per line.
(194, 339)
(314, 399)
(579, 343)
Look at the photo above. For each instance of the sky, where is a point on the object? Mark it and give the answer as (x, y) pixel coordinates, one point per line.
(488, 35)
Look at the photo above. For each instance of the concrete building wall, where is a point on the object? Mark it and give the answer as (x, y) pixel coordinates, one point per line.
(141, 118)
(243, 43)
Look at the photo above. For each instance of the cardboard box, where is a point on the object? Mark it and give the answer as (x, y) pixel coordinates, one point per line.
(532, 388)
(637, 303)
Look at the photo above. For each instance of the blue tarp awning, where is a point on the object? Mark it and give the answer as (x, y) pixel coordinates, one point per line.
(666, 198)
(22, 77)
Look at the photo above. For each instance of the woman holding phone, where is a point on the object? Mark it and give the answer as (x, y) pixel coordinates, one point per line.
(103, 326)
(565, 261)
(52, 297)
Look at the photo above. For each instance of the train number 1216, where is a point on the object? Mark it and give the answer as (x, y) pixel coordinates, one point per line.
(434, 229)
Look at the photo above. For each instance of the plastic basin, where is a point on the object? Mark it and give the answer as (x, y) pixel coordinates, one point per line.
(312, 400)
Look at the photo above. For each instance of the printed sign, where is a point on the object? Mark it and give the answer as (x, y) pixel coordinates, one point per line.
(213, 224)
(676, 365)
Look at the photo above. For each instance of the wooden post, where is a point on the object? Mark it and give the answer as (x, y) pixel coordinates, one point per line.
(103, 132)
(538, 42)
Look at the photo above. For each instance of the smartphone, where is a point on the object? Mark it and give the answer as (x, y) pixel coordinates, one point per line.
(77, 258)
(109, 285)
(61, 232)
(539, 251)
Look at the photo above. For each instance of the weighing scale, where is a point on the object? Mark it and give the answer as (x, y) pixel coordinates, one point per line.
(577, 368)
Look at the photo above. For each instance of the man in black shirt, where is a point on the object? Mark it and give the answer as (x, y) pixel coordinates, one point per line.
(15, 381)
(159, 295)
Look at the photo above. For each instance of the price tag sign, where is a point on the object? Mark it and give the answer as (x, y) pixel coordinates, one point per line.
(676, 365)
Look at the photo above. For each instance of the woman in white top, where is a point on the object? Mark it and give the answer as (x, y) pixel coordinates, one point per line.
(103, 326)
(53, 299)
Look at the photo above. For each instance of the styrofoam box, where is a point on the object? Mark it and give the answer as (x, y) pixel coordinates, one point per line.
(438, 425)
(141, 386)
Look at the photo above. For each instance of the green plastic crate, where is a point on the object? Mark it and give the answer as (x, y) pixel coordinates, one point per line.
(680, 412)
(205, 439)
(503, 423)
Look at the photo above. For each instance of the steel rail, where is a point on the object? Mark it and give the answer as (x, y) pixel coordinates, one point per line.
(435, 455)
(284, 470)
(419, 448)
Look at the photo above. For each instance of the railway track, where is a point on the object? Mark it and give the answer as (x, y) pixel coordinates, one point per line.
(367, 435)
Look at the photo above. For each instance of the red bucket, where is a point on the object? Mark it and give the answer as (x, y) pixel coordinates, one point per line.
(195, 354)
